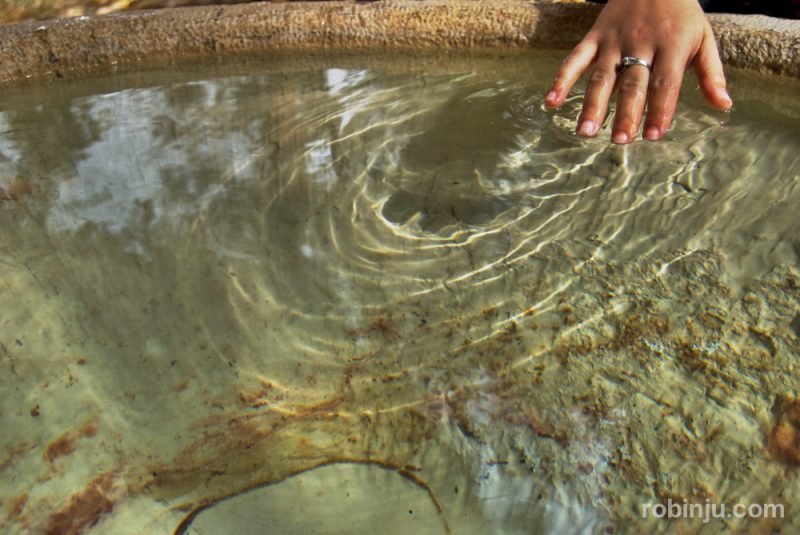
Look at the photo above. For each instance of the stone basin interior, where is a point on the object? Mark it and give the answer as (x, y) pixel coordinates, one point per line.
(318, 293)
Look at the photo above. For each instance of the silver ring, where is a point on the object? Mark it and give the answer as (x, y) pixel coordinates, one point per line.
(628, 61)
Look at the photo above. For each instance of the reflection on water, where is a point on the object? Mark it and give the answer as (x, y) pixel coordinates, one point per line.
(401, 281)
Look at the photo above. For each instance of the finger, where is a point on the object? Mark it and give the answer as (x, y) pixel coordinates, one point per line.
(708, 68)
(631, 98)
(665, 85)
(571, 69)
(598, 92)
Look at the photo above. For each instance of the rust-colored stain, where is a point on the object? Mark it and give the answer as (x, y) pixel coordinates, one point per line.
(88, 430)
(65, 444)
(14, 454)
(783, 440)
(226, 432)
(16, 506)
(539, 428)
(263, 396)
(383, 327)
(319, 410)
(638, 326)
(84, 508)
(15, 189)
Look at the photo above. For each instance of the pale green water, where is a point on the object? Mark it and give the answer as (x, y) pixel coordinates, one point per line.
(219, 277)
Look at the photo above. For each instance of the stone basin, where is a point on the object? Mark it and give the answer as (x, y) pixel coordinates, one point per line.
(547, 385)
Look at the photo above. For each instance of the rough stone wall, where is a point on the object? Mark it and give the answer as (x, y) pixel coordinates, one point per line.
(72, 46)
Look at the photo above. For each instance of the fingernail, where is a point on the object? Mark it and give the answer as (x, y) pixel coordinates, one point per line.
(652, 133)
(552, 95)
(587, 128)
(620, 138)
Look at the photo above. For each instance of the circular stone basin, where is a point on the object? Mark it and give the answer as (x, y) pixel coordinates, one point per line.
(326, 291)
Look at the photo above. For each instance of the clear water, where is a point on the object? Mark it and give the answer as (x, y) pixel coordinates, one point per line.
(316, 295)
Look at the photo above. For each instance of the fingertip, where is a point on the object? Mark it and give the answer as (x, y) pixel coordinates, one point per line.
(711, 75)
(587, 128)
(652, 133)
(723, 99)
(717, 97)
(551, 100)
(620, 138)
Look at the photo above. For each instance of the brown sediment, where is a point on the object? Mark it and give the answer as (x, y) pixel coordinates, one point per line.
(637, 325)
(14, 454)
(541, 429)
(89, 429)
(711, 366)
(321, 409)
(258, 397)
(222, 433)
(259, 434)
(15, 189)
(65, 444)
(783, 440)
(16, 506)
(383, 326)
(84, 508)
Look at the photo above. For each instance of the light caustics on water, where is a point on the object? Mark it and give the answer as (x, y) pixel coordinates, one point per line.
(395, 290)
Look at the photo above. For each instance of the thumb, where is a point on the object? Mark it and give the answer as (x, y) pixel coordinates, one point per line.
(708, 68)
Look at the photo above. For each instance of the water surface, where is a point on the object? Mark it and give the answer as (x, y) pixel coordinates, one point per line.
(391, 290)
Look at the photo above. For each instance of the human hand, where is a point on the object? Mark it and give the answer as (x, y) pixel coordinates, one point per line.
(670, 35)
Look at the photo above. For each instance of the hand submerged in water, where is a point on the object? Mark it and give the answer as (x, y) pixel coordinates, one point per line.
(669, 35)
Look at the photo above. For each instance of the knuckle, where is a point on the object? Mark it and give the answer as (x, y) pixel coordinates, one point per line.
(571, 56)
(664, 84)
(601, 75)
(584, 46)
(574, 55)
(631, 88)
(642, 35)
